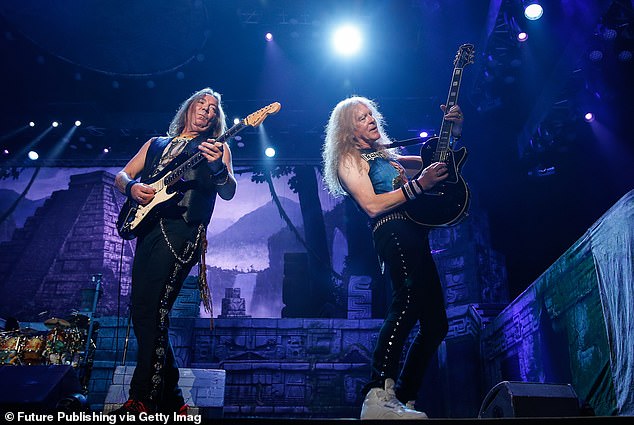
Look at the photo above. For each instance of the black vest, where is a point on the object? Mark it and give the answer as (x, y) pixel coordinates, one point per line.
(199, 197)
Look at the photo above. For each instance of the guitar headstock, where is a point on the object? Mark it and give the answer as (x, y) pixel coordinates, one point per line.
(258, 116)
(465, 56)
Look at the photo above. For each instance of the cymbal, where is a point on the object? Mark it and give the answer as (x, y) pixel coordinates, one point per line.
(54, 321)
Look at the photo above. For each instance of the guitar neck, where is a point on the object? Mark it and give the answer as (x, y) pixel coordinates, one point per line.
(196, 158)
(444, 140)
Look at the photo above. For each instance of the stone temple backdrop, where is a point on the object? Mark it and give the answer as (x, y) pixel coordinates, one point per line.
(310, 357)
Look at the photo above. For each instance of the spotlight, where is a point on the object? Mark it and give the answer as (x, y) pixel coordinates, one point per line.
(625, 56)
(236, 121)
(270, 152)
(522, 37)
(106, 150)
(31, 124)
(608, 34)
(423, 134)
(347, 40)
(33, 155)
(77, 123)
(55, 124)
(589, 117)
(595, 55)
(533, 11)
(268, 36)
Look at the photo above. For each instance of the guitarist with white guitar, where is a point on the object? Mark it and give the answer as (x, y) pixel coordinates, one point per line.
(175, 205)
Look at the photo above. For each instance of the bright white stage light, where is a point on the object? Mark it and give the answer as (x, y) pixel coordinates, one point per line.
(347, 40)
(533, 11)
(33, 155)
(270, 152)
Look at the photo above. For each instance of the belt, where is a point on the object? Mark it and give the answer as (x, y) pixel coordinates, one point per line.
(397, 215)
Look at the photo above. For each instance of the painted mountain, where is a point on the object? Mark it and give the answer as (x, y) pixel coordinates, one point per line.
(243, 246)
(16, 219)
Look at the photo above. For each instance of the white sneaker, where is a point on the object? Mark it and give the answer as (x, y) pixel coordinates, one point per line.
(383, 404)
(411, 404)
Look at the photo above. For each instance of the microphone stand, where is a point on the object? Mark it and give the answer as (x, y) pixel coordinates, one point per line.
(407, 142)
(87, 349)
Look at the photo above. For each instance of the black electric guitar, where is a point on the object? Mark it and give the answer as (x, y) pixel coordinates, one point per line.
(446, 203)
(134, 217)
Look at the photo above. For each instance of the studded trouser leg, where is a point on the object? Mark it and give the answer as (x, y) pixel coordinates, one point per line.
(416, 297)
(432, 319)
(157, 277)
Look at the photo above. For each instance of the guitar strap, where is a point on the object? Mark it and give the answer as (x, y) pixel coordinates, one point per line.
(153, 156)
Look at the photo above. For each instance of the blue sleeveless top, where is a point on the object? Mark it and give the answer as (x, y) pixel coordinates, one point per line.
(384, 175)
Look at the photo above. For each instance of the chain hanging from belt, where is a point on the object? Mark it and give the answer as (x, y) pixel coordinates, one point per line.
(201, 229)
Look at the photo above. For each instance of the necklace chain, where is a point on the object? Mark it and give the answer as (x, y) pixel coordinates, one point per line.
(169, 244)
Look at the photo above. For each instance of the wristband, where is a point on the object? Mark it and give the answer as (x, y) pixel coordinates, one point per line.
(221, 175)
(419, 186)
(224, 182)
(409, 193)
(407, 198)
(415, 189)
(128, 188)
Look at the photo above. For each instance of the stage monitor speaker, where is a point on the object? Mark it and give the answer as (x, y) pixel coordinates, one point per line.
(530, 399)
(36, 388)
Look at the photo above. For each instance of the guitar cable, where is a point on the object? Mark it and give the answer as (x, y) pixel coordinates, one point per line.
(120, 287)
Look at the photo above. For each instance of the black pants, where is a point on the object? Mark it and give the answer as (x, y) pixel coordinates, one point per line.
(417, 296)
(157, 278)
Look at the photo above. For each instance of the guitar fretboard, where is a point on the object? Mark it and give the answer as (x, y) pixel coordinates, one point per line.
(442, 149)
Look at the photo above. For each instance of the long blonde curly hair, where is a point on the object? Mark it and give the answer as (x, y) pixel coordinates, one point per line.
(340, 141)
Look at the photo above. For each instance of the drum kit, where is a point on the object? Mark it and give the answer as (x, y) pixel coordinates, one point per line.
(63, 343)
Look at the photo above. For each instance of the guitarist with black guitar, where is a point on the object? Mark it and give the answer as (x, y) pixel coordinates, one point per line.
(168, 208)
(357, 163)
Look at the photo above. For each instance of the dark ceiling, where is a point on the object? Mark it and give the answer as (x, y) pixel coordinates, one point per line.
(543, 174)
